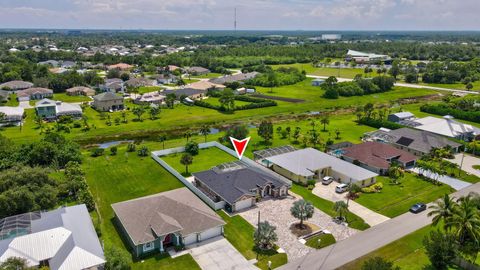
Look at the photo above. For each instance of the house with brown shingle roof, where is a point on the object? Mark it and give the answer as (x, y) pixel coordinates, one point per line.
(15, 85)
(80, 91)
(120, 66)
(377, 157)
(34, 93)
(172, 218)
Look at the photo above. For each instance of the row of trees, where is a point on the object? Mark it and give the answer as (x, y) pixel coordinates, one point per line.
(358, 87)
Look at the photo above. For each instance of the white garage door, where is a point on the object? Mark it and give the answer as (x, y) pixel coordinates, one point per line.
(243, 204)
(190, 239)
(210, 233)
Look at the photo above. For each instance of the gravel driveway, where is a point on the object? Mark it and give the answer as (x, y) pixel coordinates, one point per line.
(277, 213)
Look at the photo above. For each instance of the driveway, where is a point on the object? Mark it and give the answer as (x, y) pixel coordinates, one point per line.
(24, 104)
(277, 213)
(468, 162)
(218, 254)
(372, 218)
(362, 243)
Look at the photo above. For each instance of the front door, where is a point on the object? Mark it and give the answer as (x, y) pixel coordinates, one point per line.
(168, 240)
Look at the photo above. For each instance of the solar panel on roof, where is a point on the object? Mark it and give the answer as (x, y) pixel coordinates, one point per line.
(404, 141)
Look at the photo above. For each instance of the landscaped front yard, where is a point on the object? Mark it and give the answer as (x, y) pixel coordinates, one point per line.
(66, 98)
(205, 160)
(123, 177)
(394, 200)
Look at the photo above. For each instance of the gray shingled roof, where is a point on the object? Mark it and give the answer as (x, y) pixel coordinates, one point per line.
(232, 185)
(419, 140)
(16, 85)
(184, 91)
(235, 78)
(177, 210)
(107, 96)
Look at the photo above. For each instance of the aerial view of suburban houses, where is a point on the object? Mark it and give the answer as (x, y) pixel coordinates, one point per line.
(130, 141)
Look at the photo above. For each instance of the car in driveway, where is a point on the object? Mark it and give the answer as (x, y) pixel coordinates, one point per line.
(341, 188)
(418, 207)
(327, 180)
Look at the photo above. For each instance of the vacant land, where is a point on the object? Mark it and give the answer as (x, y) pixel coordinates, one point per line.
(395, 200)
(147, 89)
(126, 176)
(216, 102)
(66, 98)
(205, 160)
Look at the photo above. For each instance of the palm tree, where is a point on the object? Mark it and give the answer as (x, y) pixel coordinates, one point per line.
(265, 236)
(162, 138)
(325, 120)
(341, 208)
(138, 111)
(465, 220)
(302, 210)
(205, 130)
(395, 172)
(186, 160)
(187, 135)
(442, 209)
(337, 134)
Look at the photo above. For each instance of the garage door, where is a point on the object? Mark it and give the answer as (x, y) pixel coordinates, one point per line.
(210, 233)
(243, 204)
(190, 239)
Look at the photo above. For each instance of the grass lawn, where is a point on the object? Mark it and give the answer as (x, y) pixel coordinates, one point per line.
(326, 239)
(326, 206)
(146, 89)
(395, 200)
(206, 159)
(240, 234)
(123, 177)
(165, 262)
(214, 101)
(66, 98)
(407, 252)
(325, 71)
(12, 100)
(210, 75)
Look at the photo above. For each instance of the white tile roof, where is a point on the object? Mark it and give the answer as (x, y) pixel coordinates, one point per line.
(306, 161)
(445, 126)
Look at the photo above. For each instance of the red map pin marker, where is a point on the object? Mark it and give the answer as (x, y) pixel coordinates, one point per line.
(240, 146)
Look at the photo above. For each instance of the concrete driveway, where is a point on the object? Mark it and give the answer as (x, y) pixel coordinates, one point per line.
(24, 104)
(372, 218)
(468, 162)
(218, 254)
(277, 213)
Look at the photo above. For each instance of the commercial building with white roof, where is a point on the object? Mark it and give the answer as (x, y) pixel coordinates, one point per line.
(311, 164)
(62, 239)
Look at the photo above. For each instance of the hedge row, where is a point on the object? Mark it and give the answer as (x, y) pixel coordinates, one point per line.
(255, 104)
(378, 123)
(442, 109)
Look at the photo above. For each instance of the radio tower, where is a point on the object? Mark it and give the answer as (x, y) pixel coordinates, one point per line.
(235, 20)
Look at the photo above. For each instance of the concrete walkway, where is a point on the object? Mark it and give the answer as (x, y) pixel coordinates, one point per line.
(372, 218)
(219, 254)
(455, 183)
(24, 104)
(363, 243)
(468, 162)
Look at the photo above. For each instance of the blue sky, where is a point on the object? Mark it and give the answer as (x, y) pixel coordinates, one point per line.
(251, 14)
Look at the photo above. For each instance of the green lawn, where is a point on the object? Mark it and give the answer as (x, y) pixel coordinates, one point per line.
(146, 89)
(240, 234)
(66, 98)
(326, 206)
(123, 177)
(321, 241)
(326, 71)
(12, 100)
(395, 200)
(205, 160)
(407, 252)
(214, 101)
(210, 75)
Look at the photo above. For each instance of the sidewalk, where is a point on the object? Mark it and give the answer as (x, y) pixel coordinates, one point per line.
(455, 183)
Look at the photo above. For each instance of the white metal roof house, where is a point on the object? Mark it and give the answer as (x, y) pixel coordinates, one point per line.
(307, 164)
(62, 239)
(448, 127)
(13, 115)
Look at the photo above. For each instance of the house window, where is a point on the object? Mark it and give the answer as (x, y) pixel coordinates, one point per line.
(148, 246)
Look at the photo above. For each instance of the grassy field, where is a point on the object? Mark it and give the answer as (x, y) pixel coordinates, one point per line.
(12, 100)
(321, 241)
(240, 234)
(146, 89)
(210, 75)
(214, 101)
(175, 118)
(205, 160)
(395, 200)
(325, 71)
(326, 206)
(66, 98)
(123, 177)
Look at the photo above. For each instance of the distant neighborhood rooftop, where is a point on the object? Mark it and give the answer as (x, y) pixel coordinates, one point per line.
(16, 85)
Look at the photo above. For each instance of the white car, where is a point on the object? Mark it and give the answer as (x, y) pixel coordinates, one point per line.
(327, 180)
(341, 188)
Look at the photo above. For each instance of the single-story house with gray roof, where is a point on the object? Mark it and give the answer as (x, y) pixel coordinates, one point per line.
(108, 101)
(16, 85)
(239, 187)
(311, 164)
(172, 218)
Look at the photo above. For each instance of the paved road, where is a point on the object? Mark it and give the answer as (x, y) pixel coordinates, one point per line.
(404, 85)
(468, 162)
(367, 241)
